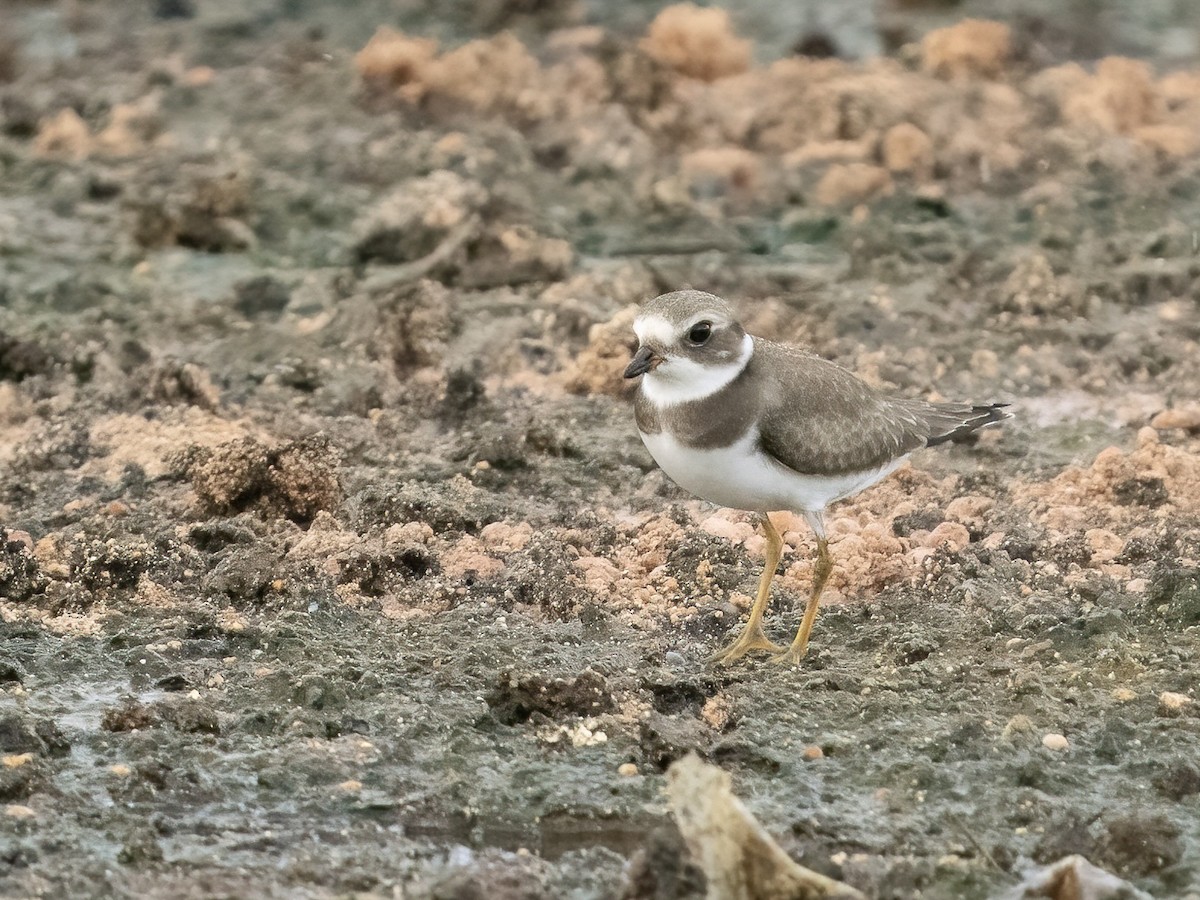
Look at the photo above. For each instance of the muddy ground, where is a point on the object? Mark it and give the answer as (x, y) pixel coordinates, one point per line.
(333, 565)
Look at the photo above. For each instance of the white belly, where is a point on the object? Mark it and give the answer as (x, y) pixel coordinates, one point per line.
(743, 477)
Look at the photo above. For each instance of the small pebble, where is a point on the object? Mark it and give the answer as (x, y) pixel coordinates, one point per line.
(674, 660)
(812, 751)
(717, 711)
(120, 770)
(1055, 741)
(1123, 695)
(16, 811)
(16, 760)
(350, 786)
(1187, 418)
(627, 770)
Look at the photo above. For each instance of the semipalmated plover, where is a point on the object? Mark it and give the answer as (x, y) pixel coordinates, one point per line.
(750, 424)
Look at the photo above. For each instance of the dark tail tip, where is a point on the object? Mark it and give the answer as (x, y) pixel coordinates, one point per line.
(977, 417)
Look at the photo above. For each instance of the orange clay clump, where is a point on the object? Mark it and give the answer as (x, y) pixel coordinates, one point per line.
(852, 183)
(970, 47)
(496, 75)
(392, 60)
(63, 136)
(698, 43)
(598, 367)
(1087, 497)
(1119, 98)
(906, 148)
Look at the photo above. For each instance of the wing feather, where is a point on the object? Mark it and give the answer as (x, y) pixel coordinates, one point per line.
(820, 419)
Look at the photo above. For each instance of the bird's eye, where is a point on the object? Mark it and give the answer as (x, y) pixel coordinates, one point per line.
(700, 333)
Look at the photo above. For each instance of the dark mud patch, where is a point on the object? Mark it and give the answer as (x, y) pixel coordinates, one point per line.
(516, 699)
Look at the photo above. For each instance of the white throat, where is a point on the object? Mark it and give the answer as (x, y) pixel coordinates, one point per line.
(681, 380)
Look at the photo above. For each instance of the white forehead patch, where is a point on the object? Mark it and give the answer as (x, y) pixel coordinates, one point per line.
(663, 331)
(654, 328)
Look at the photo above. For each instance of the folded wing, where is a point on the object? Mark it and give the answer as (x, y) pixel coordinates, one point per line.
(820, 419)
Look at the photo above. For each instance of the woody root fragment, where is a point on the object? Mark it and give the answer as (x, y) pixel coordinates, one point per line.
(739, 859)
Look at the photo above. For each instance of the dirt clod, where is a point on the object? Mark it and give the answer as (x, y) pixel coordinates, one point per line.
(20, 782)
(128, 716)
(417, 218)
(971, 47)
(514, 699)
(852, 183)
(1177, 589)
(20, 358)
(1180, 780)
(188, 715)
(696, 42)
(297, 480)
(1138, 845)
(391, 59)
(303, 477)
(20, 734)
(20, 576)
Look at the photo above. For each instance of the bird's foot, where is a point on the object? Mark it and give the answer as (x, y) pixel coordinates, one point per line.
(791, 656)
(750, 639)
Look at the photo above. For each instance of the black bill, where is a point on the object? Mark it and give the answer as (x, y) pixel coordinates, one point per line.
(643, 361)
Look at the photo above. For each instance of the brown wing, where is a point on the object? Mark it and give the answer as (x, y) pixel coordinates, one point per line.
(820, 419)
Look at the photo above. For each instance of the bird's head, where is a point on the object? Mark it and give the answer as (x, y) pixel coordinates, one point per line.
(688, 341)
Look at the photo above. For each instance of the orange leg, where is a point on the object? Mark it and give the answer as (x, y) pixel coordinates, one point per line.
(753, 637)
(821, 570)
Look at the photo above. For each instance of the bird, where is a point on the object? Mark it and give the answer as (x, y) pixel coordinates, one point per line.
(755, 425)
